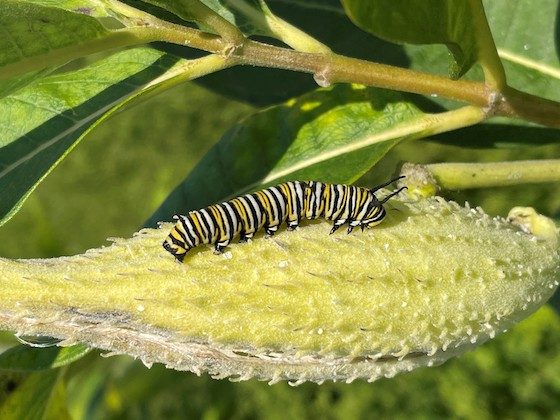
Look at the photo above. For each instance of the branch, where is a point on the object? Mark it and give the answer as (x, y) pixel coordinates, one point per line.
(461, 176)
(329, 68)
(326, 67)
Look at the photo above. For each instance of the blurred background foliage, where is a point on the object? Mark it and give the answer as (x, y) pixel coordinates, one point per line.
(126, 168)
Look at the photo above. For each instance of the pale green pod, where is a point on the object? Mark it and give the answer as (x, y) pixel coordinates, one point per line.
(432, 281)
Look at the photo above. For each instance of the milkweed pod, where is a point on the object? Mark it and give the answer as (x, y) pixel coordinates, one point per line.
(434, 280)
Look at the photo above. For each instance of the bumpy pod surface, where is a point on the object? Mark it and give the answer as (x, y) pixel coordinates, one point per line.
(430, 282)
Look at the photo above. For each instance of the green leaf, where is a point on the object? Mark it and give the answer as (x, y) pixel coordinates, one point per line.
(42, 122)
(8, 86)
(24, 358)
(93, 8)
(40, 24)
(37, 36)
(40, 396)
(333, 135)
(31, 30)
(524, 36)
(185, 8)
(528, 41)
(422, 22)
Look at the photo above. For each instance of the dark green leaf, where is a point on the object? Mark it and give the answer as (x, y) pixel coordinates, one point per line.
(334, 135)
(24, 358)
(448, 22)
(500, 133)
(525, 36)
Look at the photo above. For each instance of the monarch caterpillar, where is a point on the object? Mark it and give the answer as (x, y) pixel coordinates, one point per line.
(269, 208)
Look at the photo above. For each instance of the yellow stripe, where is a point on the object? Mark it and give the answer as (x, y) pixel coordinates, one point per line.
(238, 204)
(290, 195)
(176, 235)
(265, 201)
(325, 198)
(219, 218)
(197, 226)
(343, 203)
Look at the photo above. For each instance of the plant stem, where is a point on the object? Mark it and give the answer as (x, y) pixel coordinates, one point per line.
(195, 10)
(278, 28)
(331, 68)
(529, 107)
(459, 176)
(326, 67)
(494, 73)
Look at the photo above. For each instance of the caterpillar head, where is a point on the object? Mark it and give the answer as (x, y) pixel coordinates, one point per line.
(375, 212)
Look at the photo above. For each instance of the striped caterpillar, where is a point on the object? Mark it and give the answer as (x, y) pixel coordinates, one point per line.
(289, 202)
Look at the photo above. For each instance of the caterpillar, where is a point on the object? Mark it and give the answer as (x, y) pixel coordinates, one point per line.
(289, 202)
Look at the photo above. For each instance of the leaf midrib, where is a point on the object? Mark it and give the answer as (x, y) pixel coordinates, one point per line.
(542, 68)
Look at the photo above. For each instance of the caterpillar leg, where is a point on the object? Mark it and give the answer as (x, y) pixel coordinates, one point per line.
(244, 237)
(336, 225)
(293, 224)
(220, 246)
(270, 230)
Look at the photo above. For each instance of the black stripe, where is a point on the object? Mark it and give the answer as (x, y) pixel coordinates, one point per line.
(277, 205)
(210, 229)
(335, 199)
(179, 232)
(178, 243)
(381, 215)
(263, 215)
(232, 223)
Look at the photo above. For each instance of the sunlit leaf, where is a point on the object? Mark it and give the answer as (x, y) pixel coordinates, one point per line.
(42, 122)
(334, 135)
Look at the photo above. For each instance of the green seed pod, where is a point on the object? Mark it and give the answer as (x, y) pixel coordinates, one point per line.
(432, 281)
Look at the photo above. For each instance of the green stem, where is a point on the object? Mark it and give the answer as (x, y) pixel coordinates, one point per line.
(334, 68)
(517, 104)
(331, 68)
(194, 10)
(269, 23)
(494, 73)
(459, 176)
